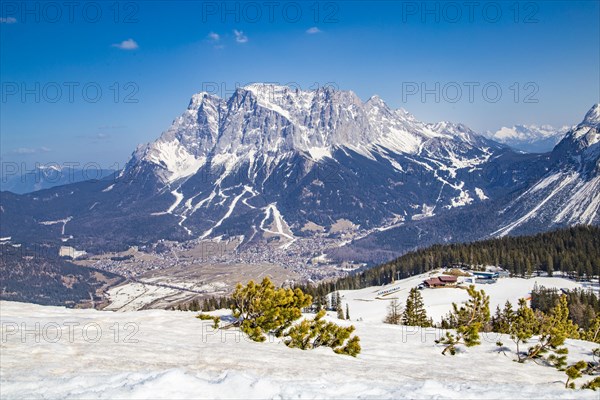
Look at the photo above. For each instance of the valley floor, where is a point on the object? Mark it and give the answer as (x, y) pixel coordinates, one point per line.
(155, 354)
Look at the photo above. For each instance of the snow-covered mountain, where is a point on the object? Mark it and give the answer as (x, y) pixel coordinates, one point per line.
(275, 155)
(529, 138)
(275, 163)
(263, 124)
(570, 192)
(541, 192)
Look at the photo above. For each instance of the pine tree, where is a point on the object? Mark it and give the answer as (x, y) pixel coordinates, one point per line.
(554, 330)
(550, 265)
(415, 313)
(394, 314)
(594, 384)
(194, 305)
(338, 306)
(470, 319)
(206, 317)
(335, 300)
(528, 268)
(593, 333)
(347, 312)
(503, 319)
(262, 309)
(523, 326)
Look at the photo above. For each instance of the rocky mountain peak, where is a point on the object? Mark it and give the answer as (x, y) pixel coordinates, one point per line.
(592, 118)
(266, 121)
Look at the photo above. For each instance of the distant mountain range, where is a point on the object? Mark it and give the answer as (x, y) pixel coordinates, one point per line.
(271, 163)
(46, 177)
(529, 138)
(560, 188)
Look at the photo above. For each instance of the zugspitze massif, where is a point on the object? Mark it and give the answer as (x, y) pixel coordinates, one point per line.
(280, 165)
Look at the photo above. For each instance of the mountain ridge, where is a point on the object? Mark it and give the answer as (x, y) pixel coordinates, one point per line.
(312, 122)
(275, 164)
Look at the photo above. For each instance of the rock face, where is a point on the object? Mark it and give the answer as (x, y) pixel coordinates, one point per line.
(316, 156)
(262, 124)
(272, 161)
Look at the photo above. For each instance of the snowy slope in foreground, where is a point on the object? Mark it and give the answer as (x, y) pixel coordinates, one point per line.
(170, 357)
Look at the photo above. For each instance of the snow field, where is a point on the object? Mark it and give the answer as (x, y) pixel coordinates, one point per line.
(170, 354)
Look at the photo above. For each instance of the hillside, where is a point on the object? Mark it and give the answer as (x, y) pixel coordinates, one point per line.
(37, 275)
(574, 251)
(368, 305)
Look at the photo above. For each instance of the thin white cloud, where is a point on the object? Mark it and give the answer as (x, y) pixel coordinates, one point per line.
(8, 20)
(95, 137)
(24, 150)
(128, 44)
(313, 30)
(111, 127)
(240, 37)
(30, 150)
(215, 39)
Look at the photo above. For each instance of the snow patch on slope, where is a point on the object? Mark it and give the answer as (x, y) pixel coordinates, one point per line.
(281, 227)
(228, 213)
(566, 179)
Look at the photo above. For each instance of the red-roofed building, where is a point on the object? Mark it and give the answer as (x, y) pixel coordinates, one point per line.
(441, 281)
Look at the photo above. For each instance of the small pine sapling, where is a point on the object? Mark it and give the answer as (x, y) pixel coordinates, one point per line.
(594, 384)
(523, 326)
(470, 319)
(206, 317)
(553, 331)
(262, 309)
(574, 372)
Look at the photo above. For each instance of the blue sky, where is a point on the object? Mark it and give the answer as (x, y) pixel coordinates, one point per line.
(148, 58)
